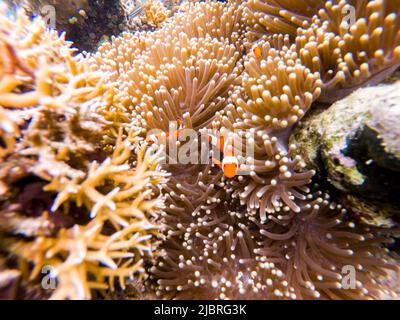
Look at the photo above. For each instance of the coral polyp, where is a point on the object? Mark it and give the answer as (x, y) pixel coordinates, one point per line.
(90, 194)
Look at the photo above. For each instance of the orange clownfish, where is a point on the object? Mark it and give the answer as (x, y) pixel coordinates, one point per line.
(257, 52)
(156, 138)
(230, 163)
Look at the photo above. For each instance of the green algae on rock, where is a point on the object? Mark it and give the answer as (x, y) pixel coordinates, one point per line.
(355, 143)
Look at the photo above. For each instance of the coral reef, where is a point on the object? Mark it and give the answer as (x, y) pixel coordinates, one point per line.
(120, 232)
(85, 191)
(66, 203)
(30, 73)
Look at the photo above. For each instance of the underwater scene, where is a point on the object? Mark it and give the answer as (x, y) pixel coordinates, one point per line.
(199, 150)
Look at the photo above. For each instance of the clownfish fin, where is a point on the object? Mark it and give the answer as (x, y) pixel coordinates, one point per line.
(152, 140)
(156, 138)
(218, 163)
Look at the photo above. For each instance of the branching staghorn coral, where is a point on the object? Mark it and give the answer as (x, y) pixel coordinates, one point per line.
(350, 55)
(37, 70)
(63, 178)
(119, 204)
(21, 44)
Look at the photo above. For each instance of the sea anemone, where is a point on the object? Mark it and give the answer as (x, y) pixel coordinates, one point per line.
(171, 77)
(217, 249)
(277, 90)
(218, 20)
(155, 12)
(350, 54)
(268, 17)
(208, 252)
(319, 246)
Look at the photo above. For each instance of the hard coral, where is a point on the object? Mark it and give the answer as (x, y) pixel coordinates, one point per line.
(116, 230)
(111, 205)
(28, 57)
(120, 231)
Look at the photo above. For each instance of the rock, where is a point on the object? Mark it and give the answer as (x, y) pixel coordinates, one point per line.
(355, 146)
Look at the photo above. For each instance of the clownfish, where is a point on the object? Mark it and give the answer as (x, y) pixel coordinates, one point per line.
(257, 52)
(230, 163)
(156, 138)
